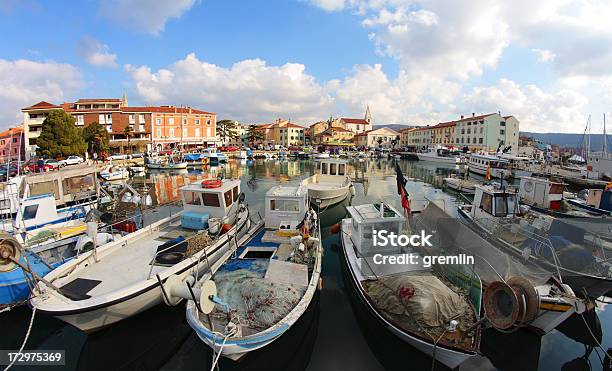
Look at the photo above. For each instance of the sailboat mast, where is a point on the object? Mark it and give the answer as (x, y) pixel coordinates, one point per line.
(588, 149)
(605, 139)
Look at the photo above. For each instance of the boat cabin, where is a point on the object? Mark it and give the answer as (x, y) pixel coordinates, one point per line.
(540, 192)
(332, 167)
(484, 161)
(285, 207)
(208, 199)
(490, 202)
(370, 217)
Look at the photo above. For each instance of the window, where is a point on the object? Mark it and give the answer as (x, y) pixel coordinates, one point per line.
(211, 199)
(503, 123)
(236, 193)
(285, 205)
(208, 122)
(159, 132)
(14, 140)
(197, 121)
(184, 121)
(481, 129)
(486, 202)
(141, 118)
(30, 212)
(501, 206)
(479, 140)
(101, 119)
(197, 132)
(79, 184)
(192, 198)
(132, 118)
(228, 198)
(171, 121)
(172, 132)
(44, 188)
(324, 168)
(158, 121)
(332, 169)
(501, 132)
(341, 169)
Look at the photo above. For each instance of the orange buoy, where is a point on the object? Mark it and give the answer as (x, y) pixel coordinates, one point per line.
(335, 229)
(225, 228)
(211, 183)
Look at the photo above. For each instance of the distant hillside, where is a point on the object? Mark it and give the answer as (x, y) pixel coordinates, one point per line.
(569, 140)
(396, 127)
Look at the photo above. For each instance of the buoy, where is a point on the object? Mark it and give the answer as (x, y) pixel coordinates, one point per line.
(335, 229)
(211, 183)
(225, 228)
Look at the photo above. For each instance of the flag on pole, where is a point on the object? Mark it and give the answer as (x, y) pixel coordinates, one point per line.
(401, 190)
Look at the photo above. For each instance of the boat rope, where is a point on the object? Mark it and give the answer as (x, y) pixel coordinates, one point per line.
(433, 354)
(595, 338)
(25, 340)
(231, 331)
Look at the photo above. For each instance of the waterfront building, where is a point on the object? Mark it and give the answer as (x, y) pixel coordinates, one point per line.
(376, 138)
(487, 132)
(153, 127)
(335, 135)
(355, 125)
(287, 133)
(12, 146)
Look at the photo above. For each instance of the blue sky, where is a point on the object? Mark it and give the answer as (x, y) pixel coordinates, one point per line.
(412, 62)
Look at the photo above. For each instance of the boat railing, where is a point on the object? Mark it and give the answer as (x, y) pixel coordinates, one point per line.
(510, 232)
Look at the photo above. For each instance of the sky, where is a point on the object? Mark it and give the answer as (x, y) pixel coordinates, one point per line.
(547, 62)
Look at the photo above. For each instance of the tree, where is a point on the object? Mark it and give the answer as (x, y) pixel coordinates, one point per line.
(96, 137)
(254, 134)
(60, 137)
(129, 133)
(227, 128)
(379, 141)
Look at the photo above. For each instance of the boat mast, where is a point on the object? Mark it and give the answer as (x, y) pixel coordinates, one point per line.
(605, 139)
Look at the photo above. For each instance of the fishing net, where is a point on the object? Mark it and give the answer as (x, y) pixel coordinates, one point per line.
(253, 301)
(40, 237)
(197, 243)
(423, 297)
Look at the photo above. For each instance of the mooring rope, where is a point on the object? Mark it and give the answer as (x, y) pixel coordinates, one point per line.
(25, 340)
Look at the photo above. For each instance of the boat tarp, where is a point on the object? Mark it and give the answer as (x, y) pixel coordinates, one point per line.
(424, 297)
(193, 156)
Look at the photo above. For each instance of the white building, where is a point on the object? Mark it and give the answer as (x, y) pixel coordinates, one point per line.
(487, 132)
(376, 138)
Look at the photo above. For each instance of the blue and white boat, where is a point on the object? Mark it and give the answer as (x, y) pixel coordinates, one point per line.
(267, 286)
(596, 201)
(42, 222)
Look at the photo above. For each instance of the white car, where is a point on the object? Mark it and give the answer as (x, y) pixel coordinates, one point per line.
(72, 160)
(117, 157)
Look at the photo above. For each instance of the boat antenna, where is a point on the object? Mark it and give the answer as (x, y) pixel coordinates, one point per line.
(605, 139)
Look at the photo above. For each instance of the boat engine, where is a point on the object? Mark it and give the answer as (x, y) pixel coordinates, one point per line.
(514, 303)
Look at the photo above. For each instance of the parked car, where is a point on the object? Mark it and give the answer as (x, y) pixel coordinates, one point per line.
(54, 163)
(72, 160)
(137, 155)
(117, 156)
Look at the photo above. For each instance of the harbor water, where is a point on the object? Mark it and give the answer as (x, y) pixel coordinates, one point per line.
(337, 335)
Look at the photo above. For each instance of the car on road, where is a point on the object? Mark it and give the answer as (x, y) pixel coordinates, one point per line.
(117, 156)
(54, 163)
(137, 155)
(72, 160)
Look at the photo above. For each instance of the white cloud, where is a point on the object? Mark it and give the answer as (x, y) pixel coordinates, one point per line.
(249, 91)
(26, 82)
(149, 16)
(95, 53)
(537, 110)
(544, 55)
(329, 5)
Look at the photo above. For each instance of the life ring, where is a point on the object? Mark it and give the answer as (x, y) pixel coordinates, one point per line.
(205, 160)
(211, 183)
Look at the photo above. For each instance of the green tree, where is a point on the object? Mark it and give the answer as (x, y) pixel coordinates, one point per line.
(60, 137)
(129, 133)
(227, 129)
(254, 134)
(379, 141)
(97, 138)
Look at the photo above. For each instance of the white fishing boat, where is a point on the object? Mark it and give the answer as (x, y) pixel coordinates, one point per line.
(155, 164)
(560, 246)
(276, 273)
(519, 166)
(330, 185)
(483, 164)
(460, 185)
(443, 155)
(424, 307)
(322, 155)
(112, 172)
(125, 277)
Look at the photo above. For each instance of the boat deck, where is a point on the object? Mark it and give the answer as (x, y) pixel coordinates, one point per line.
(126, 265)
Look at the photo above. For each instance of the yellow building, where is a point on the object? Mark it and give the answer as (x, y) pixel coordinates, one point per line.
(335, 135)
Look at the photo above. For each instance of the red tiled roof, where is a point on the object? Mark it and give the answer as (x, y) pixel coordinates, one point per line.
(471, 118)
(291, 124)
(444, 124)
(41, 105)
(354, 121)
(338, 128)
(11, 131)
(95, 100)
